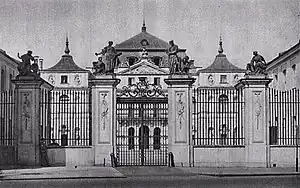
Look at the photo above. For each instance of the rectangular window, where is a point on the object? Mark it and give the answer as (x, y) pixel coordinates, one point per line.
(64, 79)
(130, 110)
(156, 138)
(156, 81)
(131, 138)
(223, 79)
(142, 79)
(130, 81)
(141, 111)
(155, 110)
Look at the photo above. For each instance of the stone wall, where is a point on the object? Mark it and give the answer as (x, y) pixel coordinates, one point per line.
(7, 155)
(71, 156)
(219, 156)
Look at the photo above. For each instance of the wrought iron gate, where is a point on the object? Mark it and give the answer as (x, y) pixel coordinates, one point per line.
(142, 125)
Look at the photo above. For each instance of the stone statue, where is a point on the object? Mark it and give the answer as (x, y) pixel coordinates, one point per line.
(25, 68)
(174, 61)
(99, 66)
(257, 65)
(110, 58)
(186, 64)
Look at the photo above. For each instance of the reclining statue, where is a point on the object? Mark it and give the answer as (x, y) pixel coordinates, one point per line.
(257, 65)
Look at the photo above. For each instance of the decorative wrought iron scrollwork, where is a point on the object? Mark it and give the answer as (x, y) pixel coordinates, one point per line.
(142, 89)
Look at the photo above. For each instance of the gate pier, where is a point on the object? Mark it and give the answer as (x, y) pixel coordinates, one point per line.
(256, 120)
(27, 128)
(180, 118)
(103, 88)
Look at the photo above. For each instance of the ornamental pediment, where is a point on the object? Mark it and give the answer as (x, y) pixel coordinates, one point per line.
(144, 67)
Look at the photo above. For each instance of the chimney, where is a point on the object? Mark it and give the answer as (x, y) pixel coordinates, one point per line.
(36, 58)
(41, 63)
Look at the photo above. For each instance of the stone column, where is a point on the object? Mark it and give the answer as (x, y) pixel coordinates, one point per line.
(255, 119)
(179, 119)
(103, 116)
(27, 128)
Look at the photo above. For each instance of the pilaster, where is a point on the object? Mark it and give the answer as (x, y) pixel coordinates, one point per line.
(255, 121)
(103, 116)
(27, 128)
(179, 130)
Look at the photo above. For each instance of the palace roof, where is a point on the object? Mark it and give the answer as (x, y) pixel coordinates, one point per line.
(66, 63)
(143, 40)
(3, 53)
(221, 64)
(285, 53)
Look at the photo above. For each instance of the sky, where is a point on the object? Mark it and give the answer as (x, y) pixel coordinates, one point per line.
(268, 26)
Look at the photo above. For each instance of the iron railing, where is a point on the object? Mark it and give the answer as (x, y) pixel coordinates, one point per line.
(217, 117)
(7, 118)
(45, 117)
(284, 116)
(66, 117)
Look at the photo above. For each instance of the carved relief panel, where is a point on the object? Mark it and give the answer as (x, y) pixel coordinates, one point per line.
(26, 117)
(77, 79)
(103, 118)
(236, 78)
(257, 116)
(211, 79)
(180, 117)
(51, 79)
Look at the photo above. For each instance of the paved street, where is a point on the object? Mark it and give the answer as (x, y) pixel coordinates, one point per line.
(163, 181)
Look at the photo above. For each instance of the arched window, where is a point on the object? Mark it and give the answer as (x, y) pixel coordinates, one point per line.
(63, 100)
(3, 80)
(294, 76)
(144, 137)
(223, 101)
(156, 138)
(131, 138)
(223, 134)
(284, 79)
(10, 82)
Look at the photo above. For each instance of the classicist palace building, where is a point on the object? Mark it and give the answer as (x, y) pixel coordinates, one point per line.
(144, 102)
(285, 69)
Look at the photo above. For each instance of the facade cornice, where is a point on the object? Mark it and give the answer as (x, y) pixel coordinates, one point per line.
(174, 80)
(148, 50)
(283, 56)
